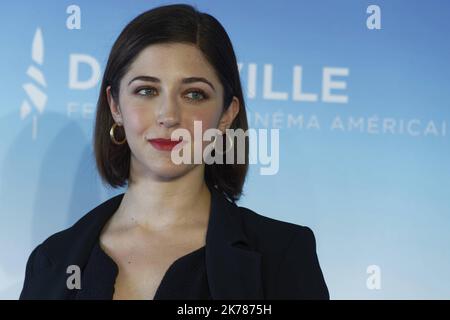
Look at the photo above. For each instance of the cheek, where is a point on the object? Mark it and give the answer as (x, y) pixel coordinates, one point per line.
(136, 114)
(209, 118)
(137, 120)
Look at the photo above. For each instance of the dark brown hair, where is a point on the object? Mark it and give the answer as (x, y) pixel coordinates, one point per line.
(178, 23)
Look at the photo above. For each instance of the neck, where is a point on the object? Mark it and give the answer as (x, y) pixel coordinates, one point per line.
(157, 205)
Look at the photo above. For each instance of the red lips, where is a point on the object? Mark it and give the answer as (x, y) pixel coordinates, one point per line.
(163, 144)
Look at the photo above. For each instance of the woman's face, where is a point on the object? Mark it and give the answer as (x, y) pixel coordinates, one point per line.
(159, 95)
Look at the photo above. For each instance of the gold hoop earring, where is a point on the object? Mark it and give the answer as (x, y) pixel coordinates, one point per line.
(113, 138)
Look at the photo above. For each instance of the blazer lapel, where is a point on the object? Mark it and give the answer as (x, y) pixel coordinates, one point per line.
(233, 268)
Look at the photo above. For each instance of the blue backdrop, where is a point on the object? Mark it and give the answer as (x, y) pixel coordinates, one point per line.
(364, 159)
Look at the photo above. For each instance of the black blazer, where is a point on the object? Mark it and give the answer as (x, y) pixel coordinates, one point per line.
(248, 256)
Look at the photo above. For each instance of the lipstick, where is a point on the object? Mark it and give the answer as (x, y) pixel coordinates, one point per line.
(163, 144)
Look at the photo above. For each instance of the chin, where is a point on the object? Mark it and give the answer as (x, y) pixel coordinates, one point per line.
(171, 171)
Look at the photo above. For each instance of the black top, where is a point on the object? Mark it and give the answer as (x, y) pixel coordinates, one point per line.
(246, 256)
(185, 279)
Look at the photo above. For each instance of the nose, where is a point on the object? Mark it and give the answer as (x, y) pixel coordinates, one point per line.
(168, 113)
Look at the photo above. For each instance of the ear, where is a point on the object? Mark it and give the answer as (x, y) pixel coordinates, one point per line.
(229, 115)
(114, 106)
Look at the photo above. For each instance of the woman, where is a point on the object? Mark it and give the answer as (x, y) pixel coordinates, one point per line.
(176, 233)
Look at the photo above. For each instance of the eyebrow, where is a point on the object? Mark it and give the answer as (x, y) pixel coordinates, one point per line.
(184, 80)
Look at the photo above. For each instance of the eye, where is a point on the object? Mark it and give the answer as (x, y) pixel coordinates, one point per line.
(147, 91)
(197, 95)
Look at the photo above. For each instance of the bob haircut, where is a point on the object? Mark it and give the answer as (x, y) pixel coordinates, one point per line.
(178, 23)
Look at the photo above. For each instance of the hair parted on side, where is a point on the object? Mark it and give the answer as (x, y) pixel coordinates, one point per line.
(177, 23)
